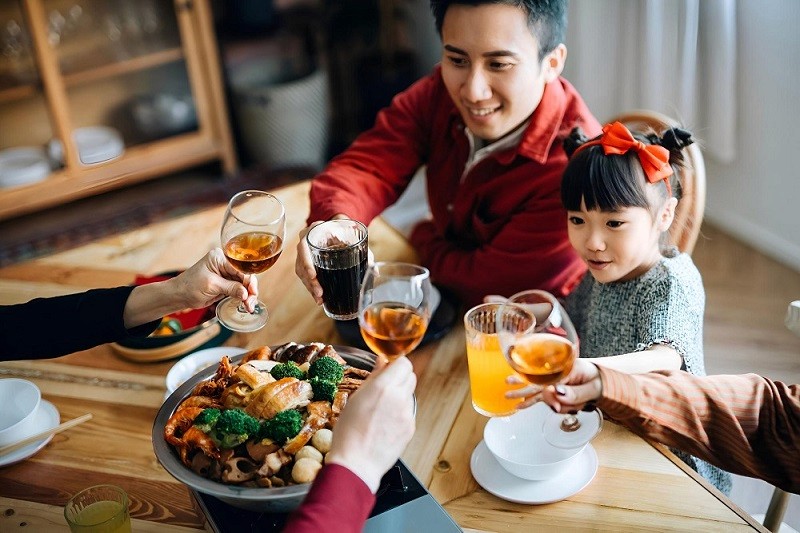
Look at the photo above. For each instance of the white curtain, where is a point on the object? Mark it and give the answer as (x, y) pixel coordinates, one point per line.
(673, 56)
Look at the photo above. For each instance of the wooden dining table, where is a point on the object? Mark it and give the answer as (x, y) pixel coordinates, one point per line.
(638, 486)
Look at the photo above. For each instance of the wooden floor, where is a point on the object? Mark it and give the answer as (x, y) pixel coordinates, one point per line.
(747, 295)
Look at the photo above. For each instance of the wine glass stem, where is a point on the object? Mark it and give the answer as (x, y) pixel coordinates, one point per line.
(570, 423)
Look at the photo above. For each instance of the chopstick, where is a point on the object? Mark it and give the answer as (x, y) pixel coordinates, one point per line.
(8, 448)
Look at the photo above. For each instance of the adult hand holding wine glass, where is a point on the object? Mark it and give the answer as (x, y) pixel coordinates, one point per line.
(252, 235)
(394, 308)
(544, 358)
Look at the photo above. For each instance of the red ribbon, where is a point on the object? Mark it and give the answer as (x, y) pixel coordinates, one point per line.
(617, 140)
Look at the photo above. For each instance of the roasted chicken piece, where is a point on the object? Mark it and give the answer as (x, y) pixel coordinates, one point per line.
(235, 396)
(253, 376)
(272, 398)
(258, 354)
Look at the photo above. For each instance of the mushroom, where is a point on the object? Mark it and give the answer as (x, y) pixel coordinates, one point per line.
(259, 449)
(274, 462)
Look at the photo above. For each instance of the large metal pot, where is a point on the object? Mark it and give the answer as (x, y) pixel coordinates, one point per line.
(270, 500)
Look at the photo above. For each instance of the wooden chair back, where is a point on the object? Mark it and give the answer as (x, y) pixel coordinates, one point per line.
(689, 214)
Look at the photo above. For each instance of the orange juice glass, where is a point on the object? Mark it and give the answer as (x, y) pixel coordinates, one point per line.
(488, 368)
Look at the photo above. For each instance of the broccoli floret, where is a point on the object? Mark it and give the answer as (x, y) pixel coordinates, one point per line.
(283, 426)
(233, 427)
(207, 419)
(326, 368)
(288, 369)
(323, 389)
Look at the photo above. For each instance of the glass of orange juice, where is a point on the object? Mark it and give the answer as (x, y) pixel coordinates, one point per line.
(488, 367)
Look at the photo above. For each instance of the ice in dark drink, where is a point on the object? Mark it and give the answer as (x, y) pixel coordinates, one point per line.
(339, 251)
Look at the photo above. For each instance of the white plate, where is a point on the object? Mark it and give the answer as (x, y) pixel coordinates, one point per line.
(195, 362)
(496, 480)
(23, 165)
(96, 144)
(47, 418)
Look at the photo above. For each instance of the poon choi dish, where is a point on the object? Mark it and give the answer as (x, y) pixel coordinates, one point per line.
(268, 421)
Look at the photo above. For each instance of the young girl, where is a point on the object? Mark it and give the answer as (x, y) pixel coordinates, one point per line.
(640, 306)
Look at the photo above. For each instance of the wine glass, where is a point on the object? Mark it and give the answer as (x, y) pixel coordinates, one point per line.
(394, 308)
(542, 354)
(252, 236)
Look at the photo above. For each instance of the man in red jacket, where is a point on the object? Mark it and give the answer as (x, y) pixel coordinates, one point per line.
(488, 124)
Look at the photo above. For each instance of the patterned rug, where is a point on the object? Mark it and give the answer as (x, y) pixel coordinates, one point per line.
(64, 227)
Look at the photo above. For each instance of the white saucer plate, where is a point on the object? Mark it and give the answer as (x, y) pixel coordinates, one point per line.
(496, 480)
(194, 363)
(47, 418)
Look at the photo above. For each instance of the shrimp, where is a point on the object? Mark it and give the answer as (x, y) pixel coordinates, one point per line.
(180, 421)
(193, 439)
(199, 401)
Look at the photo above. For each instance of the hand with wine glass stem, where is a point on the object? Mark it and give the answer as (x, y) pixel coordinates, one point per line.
(394, 308)
(252, 235)
(543, 358)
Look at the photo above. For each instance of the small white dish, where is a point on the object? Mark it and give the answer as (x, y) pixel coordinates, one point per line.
(20, 399)
(194, 363)
(23, 166)
(496, 480)
(96, 144)
(47, 418)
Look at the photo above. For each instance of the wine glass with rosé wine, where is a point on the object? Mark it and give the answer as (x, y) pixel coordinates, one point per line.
(252, 235)
(542, 355)
(394, 308)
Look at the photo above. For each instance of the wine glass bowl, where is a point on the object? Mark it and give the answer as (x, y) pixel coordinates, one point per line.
(543, 358)
(252, 236)
(394, 308)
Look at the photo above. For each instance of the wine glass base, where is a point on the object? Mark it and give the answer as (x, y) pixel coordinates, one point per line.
(233, 315)
(558, 436)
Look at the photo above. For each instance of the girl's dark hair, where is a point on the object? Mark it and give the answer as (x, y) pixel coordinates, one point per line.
(613, 182)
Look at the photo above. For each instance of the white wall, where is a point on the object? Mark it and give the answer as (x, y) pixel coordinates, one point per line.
(755, 197)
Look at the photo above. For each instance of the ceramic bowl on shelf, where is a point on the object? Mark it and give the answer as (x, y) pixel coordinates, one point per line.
(518, 444)
(96, 144)
(23, 165)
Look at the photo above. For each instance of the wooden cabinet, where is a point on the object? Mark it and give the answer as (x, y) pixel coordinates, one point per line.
(146, 71)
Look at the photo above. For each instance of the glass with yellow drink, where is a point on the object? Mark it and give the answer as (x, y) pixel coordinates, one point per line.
(99, 509)
(488, 368)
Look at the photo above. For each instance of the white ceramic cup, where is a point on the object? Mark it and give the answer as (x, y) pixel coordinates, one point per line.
(518, 444)
(20, 400)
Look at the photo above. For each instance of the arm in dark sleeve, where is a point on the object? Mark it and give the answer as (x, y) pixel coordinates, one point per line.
(745, 424)
(338, 501)
(51, 327)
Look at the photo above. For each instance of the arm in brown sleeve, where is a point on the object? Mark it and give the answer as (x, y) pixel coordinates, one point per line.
(745, 424)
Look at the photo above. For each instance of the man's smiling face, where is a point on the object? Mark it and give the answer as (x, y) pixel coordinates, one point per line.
(491, 67)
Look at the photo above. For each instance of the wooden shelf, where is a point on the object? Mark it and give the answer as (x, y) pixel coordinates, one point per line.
(127, 66)
(163, 157)
(18, 92)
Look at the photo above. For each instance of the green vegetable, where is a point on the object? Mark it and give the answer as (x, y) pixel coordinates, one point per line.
(323, 389)
(288, 369)
(233, 427)
(207, 419)
(326, 368)
(283, 426)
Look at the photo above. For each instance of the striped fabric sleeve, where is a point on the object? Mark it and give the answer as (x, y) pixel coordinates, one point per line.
(745, 424)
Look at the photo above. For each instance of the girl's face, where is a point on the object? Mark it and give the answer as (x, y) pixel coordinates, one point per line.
(619, 245)
(491, 67)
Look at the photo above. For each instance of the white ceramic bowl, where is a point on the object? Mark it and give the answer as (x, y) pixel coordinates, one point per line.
(194, 363)
(20, 400)
(518, 444)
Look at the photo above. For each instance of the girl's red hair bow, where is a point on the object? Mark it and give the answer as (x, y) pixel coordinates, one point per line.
(617, 139)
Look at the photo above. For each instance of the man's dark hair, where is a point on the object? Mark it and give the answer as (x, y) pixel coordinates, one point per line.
(547, 19)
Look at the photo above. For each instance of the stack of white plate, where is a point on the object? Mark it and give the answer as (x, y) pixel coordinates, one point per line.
(96, 144)
(22, 166)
